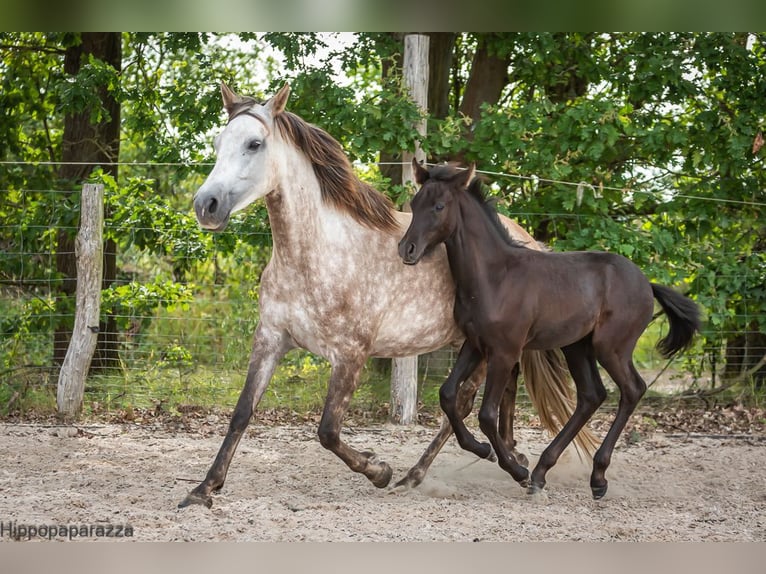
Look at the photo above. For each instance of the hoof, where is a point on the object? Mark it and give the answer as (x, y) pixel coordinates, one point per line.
(538, 494)
(599, 491)
(485, 450)
(517, 472)
(412, 480)
(378, 471)
(195, 498)
(534, 489)
(382, 480)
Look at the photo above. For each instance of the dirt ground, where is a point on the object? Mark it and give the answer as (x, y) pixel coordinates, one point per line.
(283, 486)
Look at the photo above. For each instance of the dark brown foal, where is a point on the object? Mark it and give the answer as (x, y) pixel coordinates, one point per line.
(592, 305)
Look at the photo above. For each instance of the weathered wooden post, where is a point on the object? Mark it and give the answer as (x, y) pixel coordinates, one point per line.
(89, 248)
(404, 371)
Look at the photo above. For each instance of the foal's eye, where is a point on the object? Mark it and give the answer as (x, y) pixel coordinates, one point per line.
(253, 145)
(439, 206)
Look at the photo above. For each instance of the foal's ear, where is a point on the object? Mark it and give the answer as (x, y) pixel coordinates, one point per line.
(230, 99)
(276, 105)
(419, 172)
(464, 177)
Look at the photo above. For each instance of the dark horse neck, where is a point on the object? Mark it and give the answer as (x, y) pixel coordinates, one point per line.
(479, 248)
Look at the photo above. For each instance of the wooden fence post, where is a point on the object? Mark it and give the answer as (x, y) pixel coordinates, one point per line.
(404, 371)
(89, 247)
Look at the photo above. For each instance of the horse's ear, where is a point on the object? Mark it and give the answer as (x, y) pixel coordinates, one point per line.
(276, 105)
(419, 172)
(230, 99)
(465, 177)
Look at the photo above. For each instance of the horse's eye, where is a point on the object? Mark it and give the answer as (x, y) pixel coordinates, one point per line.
(253, 145)
(439, 206)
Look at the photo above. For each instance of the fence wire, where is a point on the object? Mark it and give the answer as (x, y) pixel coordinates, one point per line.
(195, 343)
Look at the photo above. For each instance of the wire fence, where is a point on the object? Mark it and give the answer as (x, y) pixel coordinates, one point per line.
(181, 324)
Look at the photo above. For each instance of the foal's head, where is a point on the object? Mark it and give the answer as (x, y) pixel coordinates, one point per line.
(434, 209)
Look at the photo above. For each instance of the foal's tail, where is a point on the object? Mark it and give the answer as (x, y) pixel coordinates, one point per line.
(547, 381)
(684, 318)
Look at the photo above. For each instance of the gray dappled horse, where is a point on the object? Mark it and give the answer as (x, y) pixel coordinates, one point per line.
(335, 284)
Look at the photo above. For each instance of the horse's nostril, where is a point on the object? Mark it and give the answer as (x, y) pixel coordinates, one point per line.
(411, 249)
(212, 205)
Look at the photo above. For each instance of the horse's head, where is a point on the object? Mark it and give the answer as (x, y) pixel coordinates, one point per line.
(434, 209)
(245, 161)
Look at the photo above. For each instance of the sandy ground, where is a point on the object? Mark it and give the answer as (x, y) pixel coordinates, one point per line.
(283, 486)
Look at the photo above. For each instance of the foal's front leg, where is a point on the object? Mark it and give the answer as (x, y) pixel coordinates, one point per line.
(505, 424)
(502, 375)
(466, 394)
(467, 361)
(268, 349)
(343, 382)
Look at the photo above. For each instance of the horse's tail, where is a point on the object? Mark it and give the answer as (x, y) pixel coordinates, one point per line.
(684, 318)
(547, 381)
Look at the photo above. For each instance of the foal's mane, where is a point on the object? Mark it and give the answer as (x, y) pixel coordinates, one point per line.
(475, 191)
(339, 184)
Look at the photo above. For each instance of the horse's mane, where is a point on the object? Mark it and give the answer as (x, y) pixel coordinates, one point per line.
(339, 184)
(475, 191)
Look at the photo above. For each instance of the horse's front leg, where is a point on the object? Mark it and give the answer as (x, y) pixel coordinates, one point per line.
(505, 424)
(466, 394)
(502, 374)
(467, 361)
(343, 382)
(268, 349)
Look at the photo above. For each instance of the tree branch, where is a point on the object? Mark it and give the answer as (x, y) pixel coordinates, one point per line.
(30, 48)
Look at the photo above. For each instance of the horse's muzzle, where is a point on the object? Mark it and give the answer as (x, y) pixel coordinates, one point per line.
(408, 252)
(211, 215)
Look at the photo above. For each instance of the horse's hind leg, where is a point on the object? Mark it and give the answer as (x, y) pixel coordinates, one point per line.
(268, 350)
(467, 361)
(590, 394)
(466, 395)
(632, 387)
(343, 382)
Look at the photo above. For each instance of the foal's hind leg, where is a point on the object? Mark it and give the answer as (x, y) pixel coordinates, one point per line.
(466, 395)
(590, 394)
(632, 387)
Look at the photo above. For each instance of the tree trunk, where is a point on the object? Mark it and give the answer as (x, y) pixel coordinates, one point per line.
(441, 51)
(488, 78)
(489, 75)
(86, 145)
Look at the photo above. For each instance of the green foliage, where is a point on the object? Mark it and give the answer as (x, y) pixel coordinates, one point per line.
(364, 122)
(25, 324)
(134, 301)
